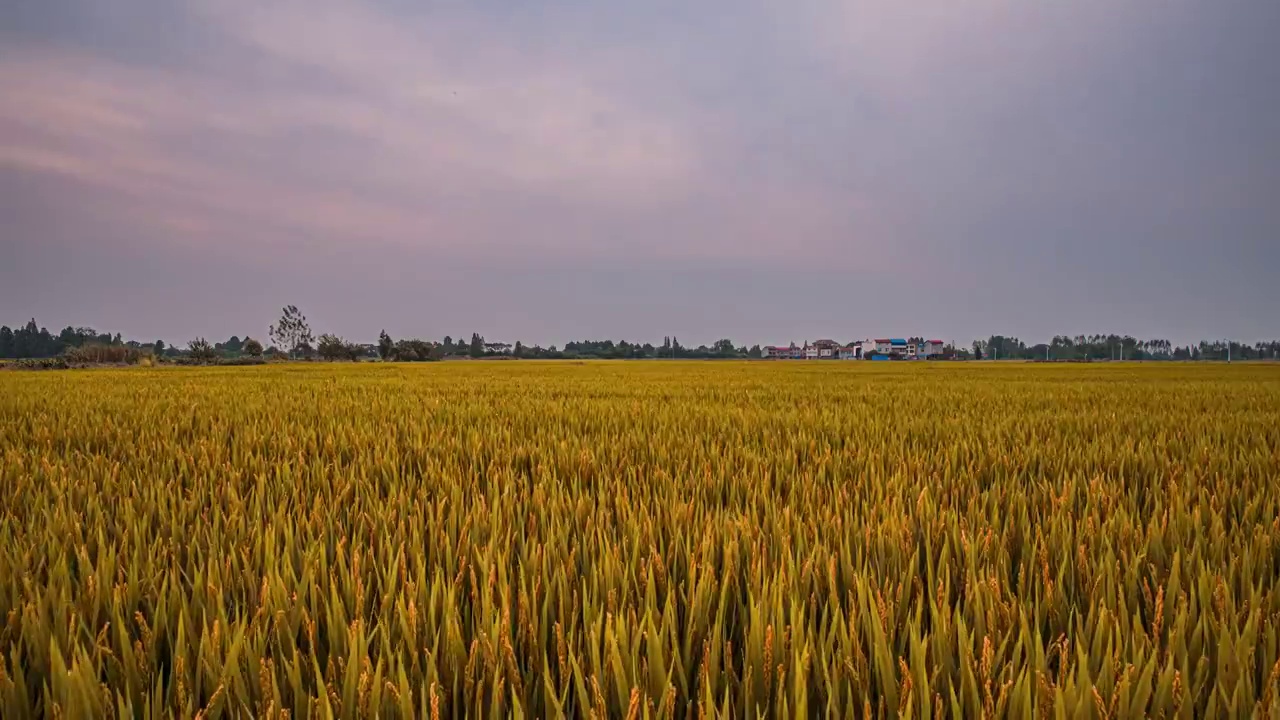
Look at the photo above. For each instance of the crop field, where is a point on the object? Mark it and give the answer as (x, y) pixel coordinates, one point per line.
(651, 539)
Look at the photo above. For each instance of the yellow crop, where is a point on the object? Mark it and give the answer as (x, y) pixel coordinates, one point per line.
(653, 539)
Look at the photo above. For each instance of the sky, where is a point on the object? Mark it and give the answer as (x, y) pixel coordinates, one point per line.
(562, 169)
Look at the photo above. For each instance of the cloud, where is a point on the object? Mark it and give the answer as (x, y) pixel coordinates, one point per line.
(426, 93)
(409, 127)
(342, 122)
(733, 148)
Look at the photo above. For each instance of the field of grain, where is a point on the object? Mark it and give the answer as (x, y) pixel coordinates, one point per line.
(655, 539)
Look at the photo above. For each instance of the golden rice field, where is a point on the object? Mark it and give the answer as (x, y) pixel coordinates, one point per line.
(653, 539)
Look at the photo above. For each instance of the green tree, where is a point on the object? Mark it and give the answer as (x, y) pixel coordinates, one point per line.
(159, 348)
(26, 340)
(252, 347)
(414, 351)
(200, 350)
(519, 350)
(385, 346)
(354, 351)
(755, 352)
(331, 347)
(6, 342)
(477, 345)
(724, 348)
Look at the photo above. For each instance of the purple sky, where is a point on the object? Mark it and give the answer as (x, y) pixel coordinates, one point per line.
(563, 169)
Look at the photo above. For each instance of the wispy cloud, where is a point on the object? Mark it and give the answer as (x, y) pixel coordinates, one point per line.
(823, 143)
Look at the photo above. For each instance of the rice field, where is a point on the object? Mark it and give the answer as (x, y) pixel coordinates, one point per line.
(651, 539)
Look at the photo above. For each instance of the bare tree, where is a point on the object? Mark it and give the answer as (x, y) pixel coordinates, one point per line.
(292, 331)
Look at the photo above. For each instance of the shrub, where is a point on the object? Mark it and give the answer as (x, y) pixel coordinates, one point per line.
(53, 363)
(415, 351)
(332, 347)
(201, 351)
(242, 360)
(99, 354)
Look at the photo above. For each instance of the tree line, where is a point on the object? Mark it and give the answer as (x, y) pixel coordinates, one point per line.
(1120, 347)
(33, 342)
(291, 337)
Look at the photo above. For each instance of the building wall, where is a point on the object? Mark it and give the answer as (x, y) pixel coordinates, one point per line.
(930, 349)
(825, 350)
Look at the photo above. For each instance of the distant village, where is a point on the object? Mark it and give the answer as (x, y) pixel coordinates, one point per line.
(291, 339)
(878, 349)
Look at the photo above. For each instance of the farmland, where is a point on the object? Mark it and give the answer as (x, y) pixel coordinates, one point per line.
(654, 539)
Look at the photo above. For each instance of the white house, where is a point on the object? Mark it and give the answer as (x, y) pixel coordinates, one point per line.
(827, 349)
(832, 350)
(930, 348)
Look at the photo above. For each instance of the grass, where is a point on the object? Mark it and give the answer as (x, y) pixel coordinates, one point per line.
(656, 539)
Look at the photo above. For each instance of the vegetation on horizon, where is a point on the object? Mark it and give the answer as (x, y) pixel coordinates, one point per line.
(293, 338)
